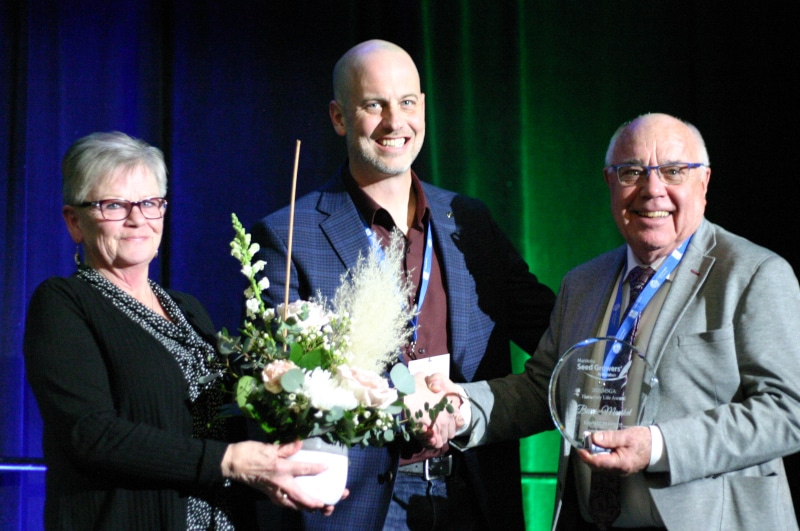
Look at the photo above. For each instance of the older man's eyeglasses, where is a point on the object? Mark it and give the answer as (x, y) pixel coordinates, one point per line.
(633, 174)
(119, 209)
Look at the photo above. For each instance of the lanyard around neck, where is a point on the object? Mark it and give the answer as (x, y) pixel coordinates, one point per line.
(427, 266)
(622, 330)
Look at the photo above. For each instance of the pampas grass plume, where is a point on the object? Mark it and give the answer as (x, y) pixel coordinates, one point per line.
(376, 297)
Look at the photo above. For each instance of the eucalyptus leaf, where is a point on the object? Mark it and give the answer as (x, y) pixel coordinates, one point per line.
(225, 344)
(402, 379)
(248, 342)
(209, 378)
(244, 386)
(395, 409)
(334, 414)
(292, 380)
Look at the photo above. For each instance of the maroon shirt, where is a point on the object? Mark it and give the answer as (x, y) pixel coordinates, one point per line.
(432, 333)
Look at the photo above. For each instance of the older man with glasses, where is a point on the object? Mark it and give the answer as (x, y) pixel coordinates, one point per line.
(719, 321)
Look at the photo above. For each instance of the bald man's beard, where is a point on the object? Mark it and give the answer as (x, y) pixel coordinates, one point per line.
(392, 166)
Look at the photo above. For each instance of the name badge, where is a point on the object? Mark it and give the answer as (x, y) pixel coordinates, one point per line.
(431, 365)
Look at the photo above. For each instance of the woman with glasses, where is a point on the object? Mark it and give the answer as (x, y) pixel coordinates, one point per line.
(122, 370)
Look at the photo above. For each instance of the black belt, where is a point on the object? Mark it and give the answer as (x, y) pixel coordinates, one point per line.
(432, 468)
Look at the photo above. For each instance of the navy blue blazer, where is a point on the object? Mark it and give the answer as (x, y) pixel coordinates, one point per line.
(492, 299)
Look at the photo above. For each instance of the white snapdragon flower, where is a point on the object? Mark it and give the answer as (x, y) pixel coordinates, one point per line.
(236, 252)
(258, 265)
(251, 306)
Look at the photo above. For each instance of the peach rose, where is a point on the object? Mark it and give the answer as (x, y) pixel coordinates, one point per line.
(369, 388)
(272, 374)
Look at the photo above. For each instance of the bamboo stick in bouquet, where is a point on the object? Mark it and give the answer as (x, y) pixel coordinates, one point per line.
(291, 232)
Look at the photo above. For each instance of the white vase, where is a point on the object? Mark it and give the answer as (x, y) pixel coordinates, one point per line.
(329, 485)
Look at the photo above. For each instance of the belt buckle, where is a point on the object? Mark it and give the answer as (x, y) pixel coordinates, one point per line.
(437, 467)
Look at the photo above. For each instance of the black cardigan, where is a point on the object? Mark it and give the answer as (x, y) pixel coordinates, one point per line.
(117, 427)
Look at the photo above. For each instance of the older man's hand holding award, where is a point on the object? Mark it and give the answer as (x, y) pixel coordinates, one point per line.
(601, 384)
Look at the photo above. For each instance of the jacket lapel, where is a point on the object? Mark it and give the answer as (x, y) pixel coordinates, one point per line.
(689, 277)
(453, 267)
(598, 299)
(342, 226)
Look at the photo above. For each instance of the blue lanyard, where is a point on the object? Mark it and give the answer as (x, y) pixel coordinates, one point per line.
(427, 265)
(623, 330)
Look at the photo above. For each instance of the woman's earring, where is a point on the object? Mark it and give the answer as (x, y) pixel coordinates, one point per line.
(77, 255)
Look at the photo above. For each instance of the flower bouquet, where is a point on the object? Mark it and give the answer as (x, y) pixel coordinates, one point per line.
(315, 368)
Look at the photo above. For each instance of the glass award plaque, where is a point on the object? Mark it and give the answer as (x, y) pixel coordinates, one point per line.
(601, 384)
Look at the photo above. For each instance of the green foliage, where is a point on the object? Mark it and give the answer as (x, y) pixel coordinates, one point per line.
(311, 387)
(402, 379)
(292, 381)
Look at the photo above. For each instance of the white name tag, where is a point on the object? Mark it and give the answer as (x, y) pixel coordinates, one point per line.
(431, 365)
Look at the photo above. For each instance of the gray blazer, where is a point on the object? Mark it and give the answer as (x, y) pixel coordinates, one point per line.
(726, 348)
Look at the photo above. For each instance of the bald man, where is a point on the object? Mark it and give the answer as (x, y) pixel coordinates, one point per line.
(479, 295)
(719, 321)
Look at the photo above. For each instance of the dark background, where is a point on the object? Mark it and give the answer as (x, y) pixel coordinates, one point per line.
(521, 98)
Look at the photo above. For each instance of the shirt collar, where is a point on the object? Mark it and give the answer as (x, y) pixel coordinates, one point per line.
(374, 214)
(633, 262)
